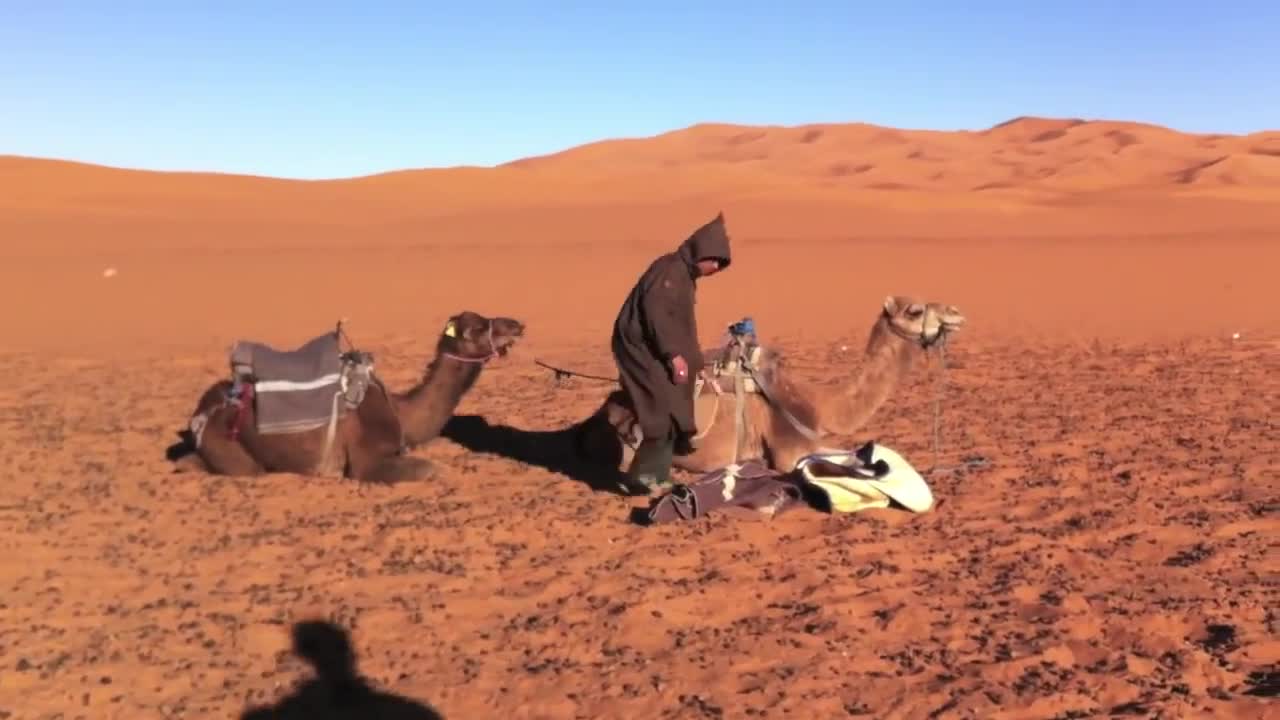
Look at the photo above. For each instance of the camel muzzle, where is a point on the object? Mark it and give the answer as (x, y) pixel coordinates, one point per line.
(938, 325)
(507, 333)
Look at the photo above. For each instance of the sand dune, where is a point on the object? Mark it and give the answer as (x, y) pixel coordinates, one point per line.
(830, 180)
(1038, 154)
(1107, 556)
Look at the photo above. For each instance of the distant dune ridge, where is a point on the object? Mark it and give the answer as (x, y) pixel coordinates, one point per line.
(1027, 152)
(831, 180)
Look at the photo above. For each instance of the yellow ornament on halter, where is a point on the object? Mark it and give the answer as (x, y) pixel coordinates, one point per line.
(450, 329)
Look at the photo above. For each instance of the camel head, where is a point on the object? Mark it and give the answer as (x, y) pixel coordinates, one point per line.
(473, 337)
(924, 323)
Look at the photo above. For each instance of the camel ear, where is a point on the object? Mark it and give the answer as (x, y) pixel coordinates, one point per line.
(450, 329)
(890, 305)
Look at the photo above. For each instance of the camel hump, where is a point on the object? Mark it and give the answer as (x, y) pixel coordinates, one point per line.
(740, 356)
(301, 389)
(317, 358)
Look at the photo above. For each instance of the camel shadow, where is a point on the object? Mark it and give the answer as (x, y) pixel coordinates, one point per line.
(337, 692)
(551, 450)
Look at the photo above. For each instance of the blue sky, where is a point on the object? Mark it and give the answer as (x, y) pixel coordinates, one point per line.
(316, 90)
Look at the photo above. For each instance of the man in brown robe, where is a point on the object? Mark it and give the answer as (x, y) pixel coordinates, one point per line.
(655, 345)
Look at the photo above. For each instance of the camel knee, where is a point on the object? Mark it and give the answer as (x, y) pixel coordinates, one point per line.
(394, 470)
(190, 462)
(221, 456)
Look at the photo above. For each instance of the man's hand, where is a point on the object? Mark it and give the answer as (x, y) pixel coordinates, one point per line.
(679, 370)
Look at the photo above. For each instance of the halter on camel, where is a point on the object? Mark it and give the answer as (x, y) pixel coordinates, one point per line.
(452, 331)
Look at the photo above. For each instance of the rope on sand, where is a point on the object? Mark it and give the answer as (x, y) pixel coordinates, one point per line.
(562, 373)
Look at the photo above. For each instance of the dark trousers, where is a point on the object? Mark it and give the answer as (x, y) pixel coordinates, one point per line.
(651, 466)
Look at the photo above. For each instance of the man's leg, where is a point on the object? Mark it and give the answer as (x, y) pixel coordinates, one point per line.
(651, 467)
(684, 444)
(682, 439)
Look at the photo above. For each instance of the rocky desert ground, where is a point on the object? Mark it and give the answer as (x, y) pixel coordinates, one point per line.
(1108, 475)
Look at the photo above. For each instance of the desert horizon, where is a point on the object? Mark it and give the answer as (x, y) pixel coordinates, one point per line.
(1028, 177)
(1032, 127)
(1095, 198)
(1097, 437)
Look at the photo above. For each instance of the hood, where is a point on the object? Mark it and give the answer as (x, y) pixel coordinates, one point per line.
(709, 241)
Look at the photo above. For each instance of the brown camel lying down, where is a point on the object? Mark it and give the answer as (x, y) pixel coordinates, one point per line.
(319, 412)
(792, 421)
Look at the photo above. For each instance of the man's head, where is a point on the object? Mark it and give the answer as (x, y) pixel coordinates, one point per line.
(707, 249)
(709, 266)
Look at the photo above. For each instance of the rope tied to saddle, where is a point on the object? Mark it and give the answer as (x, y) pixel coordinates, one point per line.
(355, 359)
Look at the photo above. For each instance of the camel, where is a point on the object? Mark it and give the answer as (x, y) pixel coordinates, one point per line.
(791, 421)
(369, 439)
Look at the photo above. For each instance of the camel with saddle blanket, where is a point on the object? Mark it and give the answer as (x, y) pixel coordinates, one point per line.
(748, 406)
(317, 410)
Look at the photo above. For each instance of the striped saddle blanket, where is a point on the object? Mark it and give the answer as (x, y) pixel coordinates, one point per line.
(294, 390)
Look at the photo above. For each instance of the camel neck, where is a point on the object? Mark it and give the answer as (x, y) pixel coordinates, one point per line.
(887, 359)
(429, 404)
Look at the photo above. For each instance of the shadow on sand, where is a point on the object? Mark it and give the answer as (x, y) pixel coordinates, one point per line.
(548, 449)
(337, 692)
(185, 446)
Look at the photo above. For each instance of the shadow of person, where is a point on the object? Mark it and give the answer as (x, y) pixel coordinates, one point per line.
(337, 692)
(548, 449)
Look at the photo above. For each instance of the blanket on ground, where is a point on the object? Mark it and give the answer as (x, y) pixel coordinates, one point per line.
(873, 476)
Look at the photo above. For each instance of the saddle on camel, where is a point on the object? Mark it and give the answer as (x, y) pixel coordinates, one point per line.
(294, 391)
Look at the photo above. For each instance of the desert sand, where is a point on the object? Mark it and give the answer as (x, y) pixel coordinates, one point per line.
(1110, 474)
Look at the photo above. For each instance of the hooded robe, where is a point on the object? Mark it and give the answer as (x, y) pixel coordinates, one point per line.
(656, 323)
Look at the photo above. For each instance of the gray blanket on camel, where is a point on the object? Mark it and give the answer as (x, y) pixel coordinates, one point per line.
(294, 390)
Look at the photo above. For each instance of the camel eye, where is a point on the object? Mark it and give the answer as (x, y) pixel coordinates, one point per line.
(915, 310)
